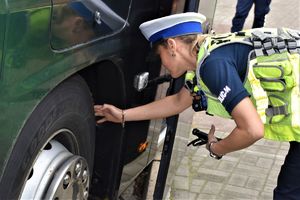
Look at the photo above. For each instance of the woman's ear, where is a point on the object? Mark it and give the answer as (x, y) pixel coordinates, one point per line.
(171, 44)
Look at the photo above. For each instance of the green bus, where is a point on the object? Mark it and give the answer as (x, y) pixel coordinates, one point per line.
(57, 59)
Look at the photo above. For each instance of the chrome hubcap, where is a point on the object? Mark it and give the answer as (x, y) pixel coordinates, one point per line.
(57, 174)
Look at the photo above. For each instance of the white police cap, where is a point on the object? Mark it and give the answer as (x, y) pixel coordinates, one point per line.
(172, 25)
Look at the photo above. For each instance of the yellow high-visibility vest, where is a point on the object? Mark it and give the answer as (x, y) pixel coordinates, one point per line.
(272, 79)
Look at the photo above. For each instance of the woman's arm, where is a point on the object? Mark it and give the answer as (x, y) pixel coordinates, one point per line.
(168, 106)
(249, 128)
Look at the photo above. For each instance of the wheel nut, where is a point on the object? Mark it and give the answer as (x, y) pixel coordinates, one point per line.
(78, 168)
(85, 195)
(84, 176)
(67, 180)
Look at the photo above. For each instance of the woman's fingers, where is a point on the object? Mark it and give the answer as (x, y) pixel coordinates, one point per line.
(212, 130)
(98, 113)
(108, 112)
(100, 110)
(211, 134)
(101, 120)
(98, 107)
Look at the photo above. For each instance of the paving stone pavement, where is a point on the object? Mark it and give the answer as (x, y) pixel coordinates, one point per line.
(247, 174)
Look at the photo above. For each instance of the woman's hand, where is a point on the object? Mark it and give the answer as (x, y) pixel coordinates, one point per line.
(211, 136)
(108, 112)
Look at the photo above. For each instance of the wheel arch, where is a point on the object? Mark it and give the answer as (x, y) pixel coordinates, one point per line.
(106, 82)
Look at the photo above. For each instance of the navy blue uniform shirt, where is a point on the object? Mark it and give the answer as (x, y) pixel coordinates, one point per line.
(223, 72)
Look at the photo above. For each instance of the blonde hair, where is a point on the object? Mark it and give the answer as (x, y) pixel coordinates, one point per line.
(194, 41)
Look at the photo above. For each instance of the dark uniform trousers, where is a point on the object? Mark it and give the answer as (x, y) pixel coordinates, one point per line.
(288, 183)
(262, 7)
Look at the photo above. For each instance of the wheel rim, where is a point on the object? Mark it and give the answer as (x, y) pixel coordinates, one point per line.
(57, 174)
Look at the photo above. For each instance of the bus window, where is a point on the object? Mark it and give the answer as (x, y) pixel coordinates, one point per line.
(81, 21)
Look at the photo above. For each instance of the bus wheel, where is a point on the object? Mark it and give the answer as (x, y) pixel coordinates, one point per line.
(53, 155)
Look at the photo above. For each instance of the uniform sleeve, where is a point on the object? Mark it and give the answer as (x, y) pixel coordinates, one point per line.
(222, 79)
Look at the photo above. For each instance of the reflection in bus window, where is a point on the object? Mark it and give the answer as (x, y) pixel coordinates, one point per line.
(81, 21)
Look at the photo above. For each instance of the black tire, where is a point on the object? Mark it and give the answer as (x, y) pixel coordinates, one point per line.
(65, 116)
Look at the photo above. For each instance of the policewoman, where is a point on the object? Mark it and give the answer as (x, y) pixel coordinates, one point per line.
(182, 47)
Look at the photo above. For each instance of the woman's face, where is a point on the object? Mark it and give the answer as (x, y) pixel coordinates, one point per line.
(176, 57)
